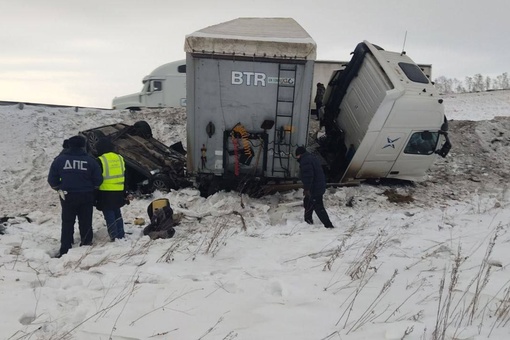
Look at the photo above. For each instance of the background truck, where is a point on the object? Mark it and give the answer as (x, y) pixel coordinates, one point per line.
(164, 87)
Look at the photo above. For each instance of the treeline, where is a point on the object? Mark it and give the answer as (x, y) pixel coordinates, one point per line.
(476, 83)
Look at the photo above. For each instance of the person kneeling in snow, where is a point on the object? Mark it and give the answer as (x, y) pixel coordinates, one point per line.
(162, 221)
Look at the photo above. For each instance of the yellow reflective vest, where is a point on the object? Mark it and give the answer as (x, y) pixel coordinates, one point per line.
(113, 172)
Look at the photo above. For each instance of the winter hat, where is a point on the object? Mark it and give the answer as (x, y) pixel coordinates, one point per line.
(300, 150)
(104, 145)
(65, 144)
(76, 142)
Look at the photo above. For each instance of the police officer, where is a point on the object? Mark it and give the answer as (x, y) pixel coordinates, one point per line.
(75, 175)
(111, 195)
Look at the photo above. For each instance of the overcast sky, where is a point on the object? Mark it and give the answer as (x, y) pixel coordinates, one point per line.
(84, 53)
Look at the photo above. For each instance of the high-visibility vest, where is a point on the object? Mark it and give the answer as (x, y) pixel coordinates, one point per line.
(113, 172)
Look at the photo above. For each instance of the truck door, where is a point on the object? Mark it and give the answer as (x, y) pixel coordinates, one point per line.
(155, 94)
(377, 154)
(417, 155)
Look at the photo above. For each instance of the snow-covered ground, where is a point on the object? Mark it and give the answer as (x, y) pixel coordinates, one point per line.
(387, 271)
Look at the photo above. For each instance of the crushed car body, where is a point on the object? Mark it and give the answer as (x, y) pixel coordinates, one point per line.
(150, 164)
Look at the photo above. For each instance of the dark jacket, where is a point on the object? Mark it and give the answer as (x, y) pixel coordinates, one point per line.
(319, 95)
(312, 175)
(109, 200)
(75, 171)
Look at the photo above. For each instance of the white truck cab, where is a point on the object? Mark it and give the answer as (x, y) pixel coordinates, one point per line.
(383, 118)
(163, 87)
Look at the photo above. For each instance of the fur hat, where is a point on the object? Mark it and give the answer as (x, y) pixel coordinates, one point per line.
(300, 150)
(76, 142)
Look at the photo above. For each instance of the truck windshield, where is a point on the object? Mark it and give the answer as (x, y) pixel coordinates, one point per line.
(422, 143)
(414, 73)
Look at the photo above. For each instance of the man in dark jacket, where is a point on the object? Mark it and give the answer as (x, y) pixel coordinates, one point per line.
(319, 96)
(75, 175)
(111, 195)
(314, 186)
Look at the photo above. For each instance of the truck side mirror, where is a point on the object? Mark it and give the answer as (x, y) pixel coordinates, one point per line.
(445, 149)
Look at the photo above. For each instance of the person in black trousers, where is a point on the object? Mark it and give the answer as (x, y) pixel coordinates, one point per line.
(75, 175)
(111, 195)
(314, 186)
(319, 97)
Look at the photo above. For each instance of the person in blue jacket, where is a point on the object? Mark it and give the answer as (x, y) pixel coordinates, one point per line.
(314, 186)
(75, 175)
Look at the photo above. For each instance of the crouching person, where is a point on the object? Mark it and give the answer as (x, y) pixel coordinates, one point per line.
(162, 222)
(111, 195)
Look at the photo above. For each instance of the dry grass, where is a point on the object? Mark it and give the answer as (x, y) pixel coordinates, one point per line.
(444, 305)
(175, 245)
(358, 268)
(467, 310)
(338, 250)
(369, 315)
(219, 231)
(359, 271)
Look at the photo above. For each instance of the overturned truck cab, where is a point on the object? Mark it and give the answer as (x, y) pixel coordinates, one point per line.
(383, 118)
(248, 97)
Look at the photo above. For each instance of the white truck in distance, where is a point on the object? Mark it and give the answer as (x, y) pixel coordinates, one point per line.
(163, 87)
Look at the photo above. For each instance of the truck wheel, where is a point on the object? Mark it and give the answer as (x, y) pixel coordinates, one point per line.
(143, 129)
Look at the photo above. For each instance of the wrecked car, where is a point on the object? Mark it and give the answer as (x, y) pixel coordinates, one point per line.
(150, 164)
